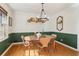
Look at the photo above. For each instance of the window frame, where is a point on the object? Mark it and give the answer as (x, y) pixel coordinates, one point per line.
(3, 24)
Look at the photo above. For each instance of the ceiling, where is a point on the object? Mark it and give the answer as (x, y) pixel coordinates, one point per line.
(50, 8)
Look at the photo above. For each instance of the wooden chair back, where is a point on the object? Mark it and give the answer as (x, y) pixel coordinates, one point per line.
(26, 40)
(45, 41)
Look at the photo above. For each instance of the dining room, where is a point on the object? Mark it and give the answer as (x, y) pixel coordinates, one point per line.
(39, 29)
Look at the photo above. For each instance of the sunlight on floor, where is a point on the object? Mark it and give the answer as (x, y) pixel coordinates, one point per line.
(31, 53)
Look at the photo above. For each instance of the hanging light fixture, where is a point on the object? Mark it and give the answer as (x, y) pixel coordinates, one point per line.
(43, 17)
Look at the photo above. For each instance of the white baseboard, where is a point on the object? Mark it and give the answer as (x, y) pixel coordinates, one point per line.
(18, 43)
(6, 50)
(68, 46)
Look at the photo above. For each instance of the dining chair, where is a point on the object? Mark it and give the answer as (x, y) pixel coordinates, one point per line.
(53, 43)
(54, 36)
(26, 43)
(38, 35)
(25, 40)
(43, 44)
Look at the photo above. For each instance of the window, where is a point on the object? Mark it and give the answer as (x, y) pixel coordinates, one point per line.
(3, 24)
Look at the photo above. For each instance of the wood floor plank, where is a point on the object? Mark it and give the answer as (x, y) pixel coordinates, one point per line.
(20, 50)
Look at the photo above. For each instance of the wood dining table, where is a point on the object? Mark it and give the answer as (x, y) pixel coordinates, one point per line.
(35, 43)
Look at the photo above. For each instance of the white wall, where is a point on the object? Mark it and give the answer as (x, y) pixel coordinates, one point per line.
(69, 18)
(21, 24)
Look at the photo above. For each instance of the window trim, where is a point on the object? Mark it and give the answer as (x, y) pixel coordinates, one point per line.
(3, 10)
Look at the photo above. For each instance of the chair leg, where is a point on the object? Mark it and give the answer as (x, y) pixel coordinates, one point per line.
(55, 48)
(29, 50)
(39, 51)
(24, 50)
(34, 52)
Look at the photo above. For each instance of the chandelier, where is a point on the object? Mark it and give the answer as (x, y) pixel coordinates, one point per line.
(43, 18)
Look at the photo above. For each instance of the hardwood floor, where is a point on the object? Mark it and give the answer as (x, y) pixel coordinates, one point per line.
(20, 50)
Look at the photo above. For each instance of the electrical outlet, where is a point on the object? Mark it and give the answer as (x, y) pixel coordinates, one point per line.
(61, 40)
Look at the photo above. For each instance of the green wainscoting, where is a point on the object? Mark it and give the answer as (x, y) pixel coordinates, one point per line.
(16, 37)
(4, 45)
(66, 38)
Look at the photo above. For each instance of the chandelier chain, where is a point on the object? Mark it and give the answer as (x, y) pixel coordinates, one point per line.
(42, 11)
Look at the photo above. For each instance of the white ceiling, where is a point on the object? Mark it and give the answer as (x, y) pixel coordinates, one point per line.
(50, 8)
